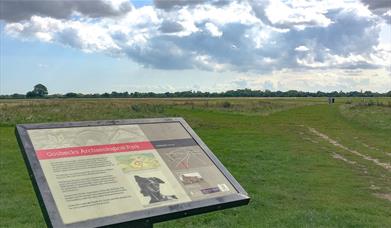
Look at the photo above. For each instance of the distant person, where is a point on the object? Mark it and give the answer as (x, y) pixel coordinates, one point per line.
(331, 100)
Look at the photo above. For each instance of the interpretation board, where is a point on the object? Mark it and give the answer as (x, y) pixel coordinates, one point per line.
(130, 172)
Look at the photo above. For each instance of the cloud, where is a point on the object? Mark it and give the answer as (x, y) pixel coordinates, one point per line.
(319, 80)
(213, 29)
(257, 36)
(288, 15)
(42, 65)
(380, 7)
(170, 27)
(291, 14)
(168, 5)
(176, 4)
(301, 48)
(17, 10)
(378, 4)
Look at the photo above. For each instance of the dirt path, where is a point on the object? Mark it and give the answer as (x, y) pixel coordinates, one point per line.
(340, 157)
(374, 148)
(386, 196)
(386, 166)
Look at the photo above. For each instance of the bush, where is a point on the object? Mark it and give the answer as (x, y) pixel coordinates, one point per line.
(71, 95)
(147, 108)
(226, 104)
(136, 107)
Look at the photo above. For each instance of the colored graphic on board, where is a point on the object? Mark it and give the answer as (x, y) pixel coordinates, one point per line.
(56, 153)
(135, 162)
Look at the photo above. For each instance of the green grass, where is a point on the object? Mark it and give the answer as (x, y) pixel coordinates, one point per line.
(289, 172)
(376, 117)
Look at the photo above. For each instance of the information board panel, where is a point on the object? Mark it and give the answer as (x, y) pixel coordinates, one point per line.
(89, 174)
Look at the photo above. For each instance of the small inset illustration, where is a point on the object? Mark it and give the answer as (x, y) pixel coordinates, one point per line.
(184, 158)
(124, 133)
(151, 188)
(135, 162)
(191, 178)
(105, 135)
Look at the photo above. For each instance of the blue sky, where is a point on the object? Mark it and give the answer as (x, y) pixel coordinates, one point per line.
(118, 45)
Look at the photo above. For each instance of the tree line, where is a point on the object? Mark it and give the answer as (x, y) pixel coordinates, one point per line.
(40, 91)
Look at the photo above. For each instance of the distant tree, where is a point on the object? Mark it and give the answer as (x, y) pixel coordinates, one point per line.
(17, 96)
(71, 95)
(30, 94)
(38, 91)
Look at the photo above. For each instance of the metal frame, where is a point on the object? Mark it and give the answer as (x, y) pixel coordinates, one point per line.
(144, 218)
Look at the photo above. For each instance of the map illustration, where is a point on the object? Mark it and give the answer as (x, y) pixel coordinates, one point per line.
(135, 162)
(84, 136)
(185, 158)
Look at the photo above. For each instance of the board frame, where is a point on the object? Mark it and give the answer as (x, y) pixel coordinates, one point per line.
(142, 218)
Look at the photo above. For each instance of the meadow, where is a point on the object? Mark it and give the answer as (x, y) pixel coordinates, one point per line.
(304, 162)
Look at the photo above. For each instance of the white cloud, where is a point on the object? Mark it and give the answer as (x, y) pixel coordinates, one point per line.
(87, 37)
(42, 65)
(302, 48)
(213, 29)
(319, 80)
(297, 14)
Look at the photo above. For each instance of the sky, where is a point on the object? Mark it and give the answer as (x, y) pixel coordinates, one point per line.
(97, 46)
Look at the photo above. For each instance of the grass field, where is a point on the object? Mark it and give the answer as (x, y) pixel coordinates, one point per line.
(303, 162)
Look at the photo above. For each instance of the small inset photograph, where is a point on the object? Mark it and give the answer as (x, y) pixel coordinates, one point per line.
(136, 162)
(203, 182)
(191, 178)
(153, 188)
